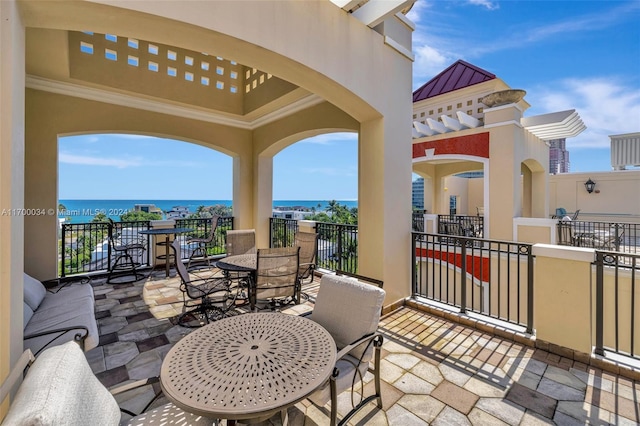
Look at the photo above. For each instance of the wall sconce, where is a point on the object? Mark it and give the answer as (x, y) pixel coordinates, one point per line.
(589, 185)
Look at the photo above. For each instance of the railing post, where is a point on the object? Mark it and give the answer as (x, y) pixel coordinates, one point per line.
(413, 265)
(339, 231)
(599, 350)
(463, 276)
(64, 251)
(271, 225)
(617, 240)
(529, 290)
(109, 235)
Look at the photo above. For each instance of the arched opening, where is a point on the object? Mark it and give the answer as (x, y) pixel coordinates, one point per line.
(112, 173)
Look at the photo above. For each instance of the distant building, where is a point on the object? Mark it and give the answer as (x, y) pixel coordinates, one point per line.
(417, 194)
(290, 214)
(148, 208)
(178, 212)
(558, 156)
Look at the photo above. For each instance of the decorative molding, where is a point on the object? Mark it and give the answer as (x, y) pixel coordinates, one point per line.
(132, 101)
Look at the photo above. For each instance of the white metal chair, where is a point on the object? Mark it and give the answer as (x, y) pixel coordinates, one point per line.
(350, 311)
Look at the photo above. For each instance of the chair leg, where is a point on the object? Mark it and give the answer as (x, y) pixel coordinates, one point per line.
(125, 265)
(334, 398)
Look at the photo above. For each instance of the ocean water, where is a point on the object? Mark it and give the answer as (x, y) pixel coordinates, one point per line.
(83, 211)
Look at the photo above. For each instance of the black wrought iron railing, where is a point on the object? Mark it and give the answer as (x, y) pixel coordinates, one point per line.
(488, 277)
(337, 247)
(85, 248)
(461, 225)
(612, 236)
(201, 228)
(417, 220)
(617, 302)
(282, 232)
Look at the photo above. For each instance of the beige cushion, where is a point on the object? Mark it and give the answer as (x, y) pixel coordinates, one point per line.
(61, 389)
(34, 292)
(347, 308)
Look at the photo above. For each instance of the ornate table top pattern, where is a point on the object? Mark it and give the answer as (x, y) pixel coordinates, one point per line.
(248, 366)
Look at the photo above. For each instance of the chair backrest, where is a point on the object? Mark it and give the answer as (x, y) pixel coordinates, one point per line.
(182, 270)
(212, 229)
(241, 241)
(277, 272)
(560, 212)
(308, 243)
(348, 309)
(575, 215)
(480, 210)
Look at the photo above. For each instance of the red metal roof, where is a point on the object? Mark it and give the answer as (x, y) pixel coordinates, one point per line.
(459, 75)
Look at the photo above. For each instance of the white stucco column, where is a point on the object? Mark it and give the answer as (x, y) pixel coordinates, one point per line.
(243, 191)
(384, 202)
(263, 196)
(12, 80)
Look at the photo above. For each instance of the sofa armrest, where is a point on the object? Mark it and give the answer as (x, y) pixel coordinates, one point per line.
(80, 336)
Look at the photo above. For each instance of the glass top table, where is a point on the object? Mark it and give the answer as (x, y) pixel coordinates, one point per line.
(249, 366)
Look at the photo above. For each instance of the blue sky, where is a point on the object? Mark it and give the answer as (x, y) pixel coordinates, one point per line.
(582, 55)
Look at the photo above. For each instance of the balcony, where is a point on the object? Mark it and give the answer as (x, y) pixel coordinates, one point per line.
(434, 369)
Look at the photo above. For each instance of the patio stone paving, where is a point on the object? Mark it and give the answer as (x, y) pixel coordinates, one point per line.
(434, 371)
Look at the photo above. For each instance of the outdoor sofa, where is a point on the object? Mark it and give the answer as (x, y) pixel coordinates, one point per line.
(55, 317)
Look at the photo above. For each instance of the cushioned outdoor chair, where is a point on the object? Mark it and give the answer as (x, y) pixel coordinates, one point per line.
(127, 249)
(350, 311)
(203, 295)
(201, 249)
(276, 277)
(60, 389)
(308, 243)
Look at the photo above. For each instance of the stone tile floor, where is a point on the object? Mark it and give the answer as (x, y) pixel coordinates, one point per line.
(434, 371)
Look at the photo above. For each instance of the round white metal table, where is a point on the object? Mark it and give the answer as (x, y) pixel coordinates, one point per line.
(250, 366)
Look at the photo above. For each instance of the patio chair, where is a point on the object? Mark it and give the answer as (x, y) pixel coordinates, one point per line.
(575, 215)
(241, 241)
(201, 249)
(350, 311)
(127, 251)
(308, 243)
(60, 388)
(202, 294)
(276, 277)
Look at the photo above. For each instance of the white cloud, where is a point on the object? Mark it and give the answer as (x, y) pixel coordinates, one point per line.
(86, 160)
(429, 62)
(491, 5)
(607, 107)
